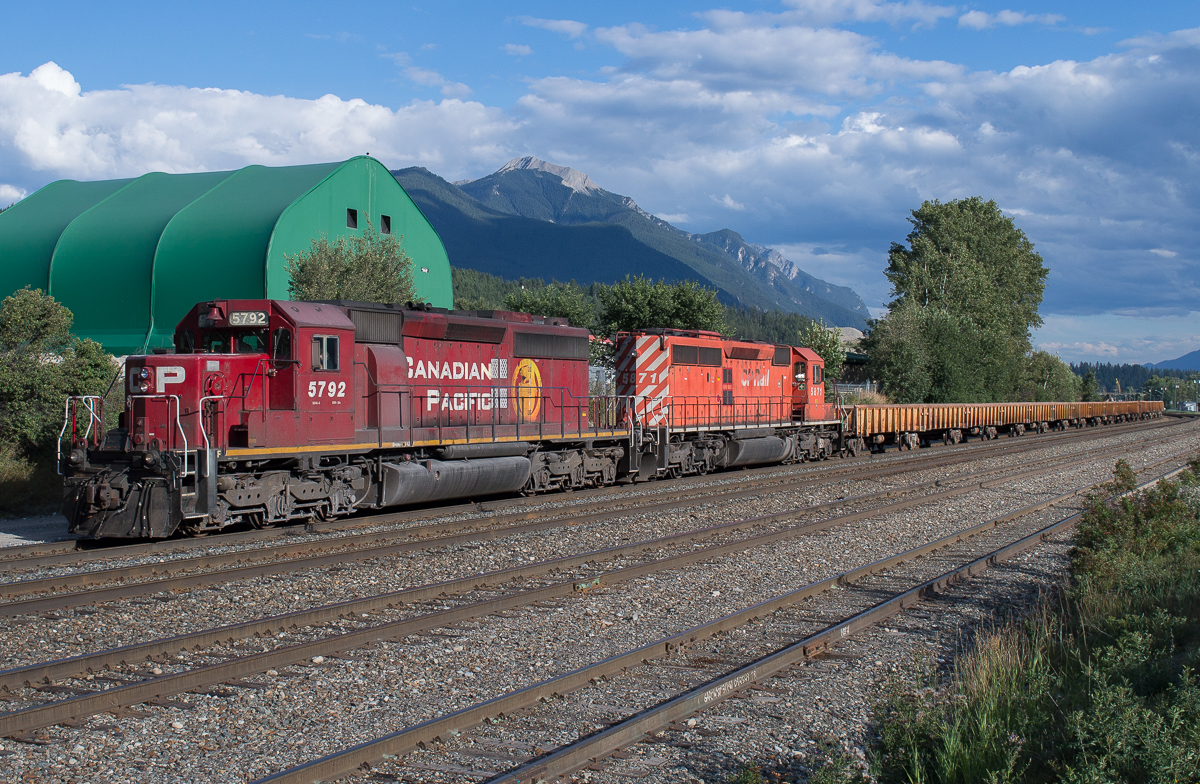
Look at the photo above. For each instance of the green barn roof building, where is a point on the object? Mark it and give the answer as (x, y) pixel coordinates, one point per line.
(131, 257)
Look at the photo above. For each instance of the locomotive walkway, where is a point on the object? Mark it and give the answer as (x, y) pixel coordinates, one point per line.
(588, 575)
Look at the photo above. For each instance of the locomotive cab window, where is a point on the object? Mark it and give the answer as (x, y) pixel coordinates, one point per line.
(801, 379)
(252, 342)
(818, 374)
(214, 342)
(282, 347)
(325, 352)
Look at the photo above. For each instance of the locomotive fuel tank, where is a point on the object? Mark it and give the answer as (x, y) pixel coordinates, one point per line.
(753, 451)
(420, 481)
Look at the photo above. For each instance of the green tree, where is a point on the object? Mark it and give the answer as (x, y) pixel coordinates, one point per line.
(41, 363)
(967, 291)
(827, 342)
(639, 303)
(1089, 390)
(372, 267)
(1048, 378)
(968, 258)
(564, 300)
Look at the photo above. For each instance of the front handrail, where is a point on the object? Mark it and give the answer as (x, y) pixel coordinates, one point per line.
(95, 408)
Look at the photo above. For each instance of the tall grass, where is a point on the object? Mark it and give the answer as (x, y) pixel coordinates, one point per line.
(1098, 684)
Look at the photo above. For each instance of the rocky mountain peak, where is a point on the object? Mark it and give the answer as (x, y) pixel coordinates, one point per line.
(572, 178)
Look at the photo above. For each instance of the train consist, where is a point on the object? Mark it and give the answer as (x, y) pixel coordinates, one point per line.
(271, 411)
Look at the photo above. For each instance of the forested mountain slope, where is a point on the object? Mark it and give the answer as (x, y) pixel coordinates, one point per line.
(536, 220)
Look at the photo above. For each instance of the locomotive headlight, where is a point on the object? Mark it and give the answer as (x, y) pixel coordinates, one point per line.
(144, 386)
(145, 372)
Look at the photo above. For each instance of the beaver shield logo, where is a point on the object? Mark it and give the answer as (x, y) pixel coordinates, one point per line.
(527, 389)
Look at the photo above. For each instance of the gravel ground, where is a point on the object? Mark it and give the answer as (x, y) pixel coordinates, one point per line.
(303, 712)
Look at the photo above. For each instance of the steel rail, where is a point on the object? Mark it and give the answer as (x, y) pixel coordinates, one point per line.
(239, 572)
(74, 708)
(577, 755)
(71, 550)
(701, 698)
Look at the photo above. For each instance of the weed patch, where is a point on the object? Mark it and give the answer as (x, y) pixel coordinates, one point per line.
(1097, 684)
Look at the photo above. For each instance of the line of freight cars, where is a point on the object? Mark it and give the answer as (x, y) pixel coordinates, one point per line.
(267, 412)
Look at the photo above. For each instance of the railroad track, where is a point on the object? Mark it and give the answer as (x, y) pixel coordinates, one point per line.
(86, 701)
(454, 744)
(43, 554)
(54, 593)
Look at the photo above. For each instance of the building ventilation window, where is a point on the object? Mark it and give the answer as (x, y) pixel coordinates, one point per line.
(385, 224)
(351, 219)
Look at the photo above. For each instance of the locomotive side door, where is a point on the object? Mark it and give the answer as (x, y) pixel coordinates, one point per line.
(283, 363)
(799, 386)
(325, 385)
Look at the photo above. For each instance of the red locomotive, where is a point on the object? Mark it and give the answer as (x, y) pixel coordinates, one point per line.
(272, 411)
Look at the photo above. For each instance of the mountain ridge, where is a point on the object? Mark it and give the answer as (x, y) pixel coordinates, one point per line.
(529, 188)
(1189, 361)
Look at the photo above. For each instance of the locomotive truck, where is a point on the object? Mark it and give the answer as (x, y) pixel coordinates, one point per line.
(267, 412)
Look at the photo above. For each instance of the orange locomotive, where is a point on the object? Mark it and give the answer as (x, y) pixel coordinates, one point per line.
(701, 401)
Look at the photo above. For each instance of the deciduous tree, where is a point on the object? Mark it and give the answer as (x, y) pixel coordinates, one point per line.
(41, 363)
(371, 267)
(827, 342)
(565, 300)
(640, 303)
(967, 290)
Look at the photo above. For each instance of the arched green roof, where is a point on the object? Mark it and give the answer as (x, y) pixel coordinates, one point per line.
(101, 268)
(30, 229)
(226, 233)
(130, 257)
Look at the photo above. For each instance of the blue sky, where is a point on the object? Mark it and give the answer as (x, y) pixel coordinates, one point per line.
(812, 126)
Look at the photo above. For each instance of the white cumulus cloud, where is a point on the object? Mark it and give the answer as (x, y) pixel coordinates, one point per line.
(981, 20)
(827, 138)
(518, 50)
(10, 194)
(567, 27)
(49, 129)
(427, 78)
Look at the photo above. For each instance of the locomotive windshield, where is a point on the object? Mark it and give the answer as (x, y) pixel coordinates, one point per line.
(234, 341)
